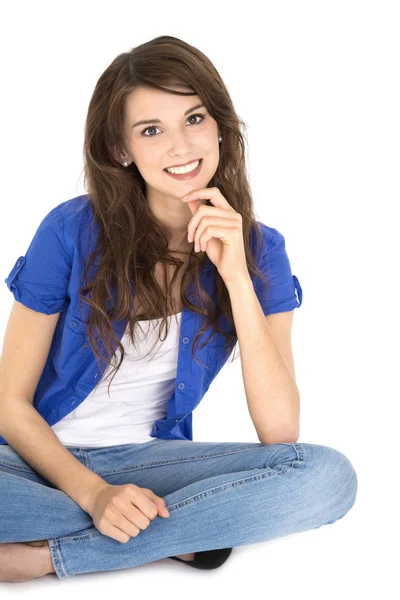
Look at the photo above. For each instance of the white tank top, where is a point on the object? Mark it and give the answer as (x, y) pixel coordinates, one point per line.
(139, 392)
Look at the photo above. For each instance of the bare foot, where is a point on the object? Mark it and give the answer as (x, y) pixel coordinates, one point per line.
(40, 543)
(19, 561)
(186, 556)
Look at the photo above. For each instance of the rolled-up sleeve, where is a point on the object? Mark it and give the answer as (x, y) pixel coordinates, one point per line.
(283, 291)
(40, 278)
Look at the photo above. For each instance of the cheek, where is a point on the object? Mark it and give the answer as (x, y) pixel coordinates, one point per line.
(148, 164)
(211, 161)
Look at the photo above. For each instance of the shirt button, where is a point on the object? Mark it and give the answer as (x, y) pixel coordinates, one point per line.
(74, 324)
(185, 340)
(96, 376)
(176, 420)
(181, 386)
(18, 263)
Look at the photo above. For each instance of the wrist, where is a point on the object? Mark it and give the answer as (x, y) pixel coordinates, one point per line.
(239, 282)
(88, 498)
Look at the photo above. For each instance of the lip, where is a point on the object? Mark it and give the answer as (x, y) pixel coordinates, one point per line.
(185, 165)
(185, 176)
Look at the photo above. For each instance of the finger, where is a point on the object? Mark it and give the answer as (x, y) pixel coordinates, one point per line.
(142, 498)
(117, 534)
(164, 512)
(157, 501)
(131, 520)
(126, 515)
(198, 216)
(217, 224)
(127, 525)
(161, 504)
(112, 525)
(212, 194)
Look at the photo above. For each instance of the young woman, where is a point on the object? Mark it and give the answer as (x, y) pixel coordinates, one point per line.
(101, 473)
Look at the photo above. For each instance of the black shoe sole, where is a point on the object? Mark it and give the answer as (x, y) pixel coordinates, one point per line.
(209, 559)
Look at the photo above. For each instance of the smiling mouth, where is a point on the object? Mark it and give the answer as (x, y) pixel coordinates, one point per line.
(185, 165)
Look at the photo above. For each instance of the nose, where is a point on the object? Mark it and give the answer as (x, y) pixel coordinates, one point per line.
(179, 148)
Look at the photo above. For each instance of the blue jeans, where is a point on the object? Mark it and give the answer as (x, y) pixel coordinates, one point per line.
(218, 494)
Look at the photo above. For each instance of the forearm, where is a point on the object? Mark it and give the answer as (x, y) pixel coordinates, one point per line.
(25, 430)
(271, 392)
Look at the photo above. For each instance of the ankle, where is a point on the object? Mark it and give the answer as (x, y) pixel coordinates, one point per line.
(47, 560)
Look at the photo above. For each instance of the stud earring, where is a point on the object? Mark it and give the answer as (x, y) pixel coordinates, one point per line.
(220, 139)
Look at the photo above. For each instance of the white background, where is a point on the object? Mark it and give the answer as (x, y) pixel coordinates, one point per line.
(317, 84)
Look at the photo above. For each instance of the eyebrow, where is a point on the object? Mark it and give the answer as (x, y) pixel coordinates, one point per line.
(147, 122)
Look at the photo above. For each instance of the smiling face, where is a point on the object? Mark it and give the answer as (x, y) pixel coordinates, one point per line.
(173, 135)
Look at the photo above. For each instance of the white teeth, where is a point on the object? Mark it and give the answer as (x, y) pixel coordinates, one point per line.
(187, 169)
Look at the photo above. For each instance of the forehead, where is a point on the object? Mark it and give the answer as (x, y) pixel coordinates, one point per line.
(145, 103)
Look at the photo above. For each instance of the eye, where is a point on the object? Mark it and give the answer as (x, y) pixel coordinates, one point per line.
(202, 117)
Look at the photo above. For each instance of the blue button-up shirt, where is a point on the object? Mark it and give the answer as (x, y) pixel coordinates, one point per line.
(48, 279)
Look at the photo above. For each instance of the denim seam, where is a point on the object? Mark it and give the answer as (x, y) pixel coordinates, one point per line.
(57, 562)
(210, 492)
(174, 461)
(299, 449)
(16, 467)
(84, 458)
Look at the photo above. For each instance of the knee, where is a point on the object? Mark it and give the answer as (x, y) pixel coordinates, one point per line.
(333, 476)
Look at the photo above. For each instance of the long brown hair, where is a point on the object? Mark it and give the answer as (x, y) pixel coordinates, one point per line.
(131, 241)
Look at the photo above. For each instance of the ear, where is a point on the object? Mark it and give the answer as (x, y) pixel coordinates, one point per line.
(117, 154)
